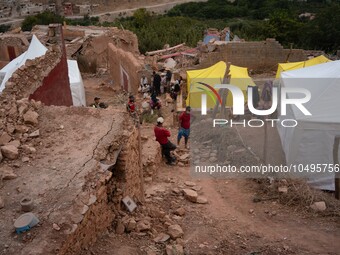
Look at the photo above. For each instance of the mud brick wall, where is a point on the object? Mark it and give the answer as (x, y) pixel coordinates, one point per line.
(260, 56)
(11, 47)
(121, 62)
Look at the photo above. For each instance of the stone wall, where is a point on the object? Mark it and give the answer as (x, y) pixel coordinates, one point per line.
(124, 68)
(260, 56)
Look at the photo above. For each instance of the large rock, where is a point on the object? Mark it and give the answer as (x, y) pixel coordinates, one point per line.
(190, 194)
(31, 118)
(5, 138)
(174, 249)
(319, 206)
(10, 151)
(175, 231)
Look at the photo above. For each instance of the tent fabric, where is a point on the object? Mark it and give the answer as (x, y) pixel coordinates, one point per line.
(208, 37)
(215, 75)
(35, 49)
(302, 64)
(76, 84)
(311, 142)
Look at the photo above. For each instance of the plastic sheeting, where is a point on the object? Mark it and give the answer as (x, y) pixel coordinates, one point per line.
(36, 49)
(76, 84)
(297, 65)
(215, 75)
(311, 142)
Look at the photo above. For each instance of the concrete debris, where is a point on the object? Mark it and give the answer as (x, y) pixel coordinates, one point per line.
(319, 206)
(175, 231)
(161, 238)
(174, 249)
(10, 151)
(190, 195)
(31, 118)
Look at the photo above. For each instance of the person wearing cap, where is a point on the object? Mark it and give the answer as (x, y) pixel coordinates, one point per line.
(184, 126)
(98, 104)
(162, 136)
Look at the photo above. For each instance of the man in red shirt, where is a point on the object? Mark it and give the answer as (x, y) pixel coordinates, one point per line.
(162, 135)
(184, 126)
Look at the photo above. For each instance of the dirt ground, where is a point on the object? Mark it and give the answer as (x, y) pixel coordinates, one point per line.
(231, 223)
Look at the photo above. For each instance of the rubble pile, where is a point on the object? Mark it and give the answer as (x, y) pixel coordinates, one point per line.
(161, 219)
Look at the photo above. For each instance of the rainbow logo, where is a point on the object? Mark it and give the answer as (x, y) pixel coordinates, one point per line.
(210, 92)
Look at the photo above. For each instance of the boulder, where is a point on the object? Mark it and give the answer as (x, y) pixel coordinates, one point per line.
(190, 195)
(175, 231)
(10, 151)
(31, 117)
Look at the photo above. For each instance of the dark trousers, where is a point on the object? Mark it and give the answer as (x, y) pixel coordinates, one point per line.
(166, 148)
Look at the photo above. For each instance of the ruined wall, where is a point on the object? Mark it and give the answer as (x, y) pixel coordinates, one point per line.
(103, 205)
(94, 53)
(264, 55)
(122, 63)
(11, 46)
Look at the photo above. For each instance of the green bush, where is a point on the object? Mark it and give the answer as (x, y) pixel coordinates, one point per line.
(43, 18)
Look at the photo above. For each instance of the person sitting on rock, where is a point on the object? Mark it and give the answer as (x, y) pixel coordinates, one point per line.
(162, 135)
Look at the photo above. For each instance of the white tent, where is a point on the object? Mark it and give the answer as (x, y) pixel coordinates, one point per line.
(36, 49)
(311, 142)
(76, 83)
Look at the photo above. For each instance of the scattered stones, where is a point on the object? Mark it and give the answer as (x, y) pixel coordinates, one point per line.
(131, 225)
(34, 134)
(25, 159)
(174, 249)
(56, 227)
(120, 228)
(190, 195)
(7, 173)
(31, 118)
(10, 151)
(5, 138)
(143, 225)
(180, 211)
(202, 200)
(161, 238)
(175, 231)
(190, 184)
(319, 206)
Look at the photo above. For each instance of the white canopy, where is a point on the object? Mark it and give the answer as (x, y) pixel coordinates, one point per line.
(36, 49)
(76, 83)
(311, 142)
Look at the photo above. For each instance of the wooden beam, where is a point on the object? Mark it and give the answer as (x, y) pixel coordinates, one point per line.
(150, 53)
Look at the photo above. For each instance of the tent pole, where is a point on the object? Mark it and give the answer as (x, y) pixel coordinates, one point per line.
(336, 164)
